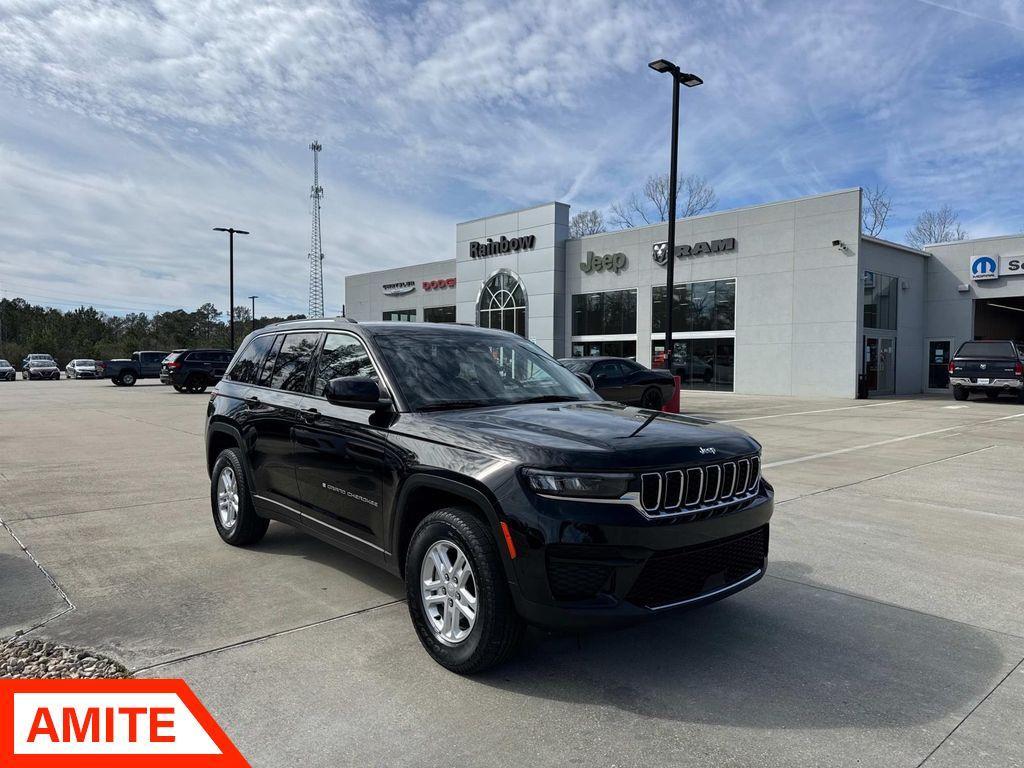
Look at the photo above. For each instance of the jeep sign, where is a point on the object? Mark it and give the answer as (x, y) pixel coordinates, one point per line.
(612, 262)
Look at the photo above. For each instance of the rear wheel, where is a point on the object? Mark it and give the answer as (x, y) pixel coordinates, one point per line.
(233, 512)
(128, 379)
(457, 593)
(960, 393)
(651, 399)
(178, 388)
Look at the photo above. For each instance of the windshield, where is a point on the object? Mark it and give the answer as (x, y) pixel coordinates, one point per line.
(445, 370)
(84, 363)
(4, 364)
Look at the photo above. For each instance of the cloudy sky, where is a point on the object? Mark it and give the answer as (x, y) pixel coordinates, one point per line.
(130, 129)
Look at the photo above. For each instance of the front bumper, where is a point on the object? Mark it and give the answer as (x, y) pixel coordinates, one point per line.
(591, 565)
(977, 383)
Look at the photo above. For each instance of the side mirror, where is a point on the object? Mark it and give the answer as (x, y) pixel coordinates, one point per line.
(356, 392)
(585, 378)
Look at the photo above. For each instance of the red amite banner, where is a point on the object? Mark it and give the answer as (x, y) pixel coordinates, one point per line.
(109, 724)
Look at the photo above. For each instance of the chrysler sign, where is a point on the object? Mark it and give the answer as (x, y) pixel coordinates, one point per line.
(397, 289)
(659, 251)
(501, 245)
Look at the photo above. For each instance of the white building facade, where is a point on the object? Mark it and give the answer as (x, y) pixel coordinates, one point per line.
(787, 298)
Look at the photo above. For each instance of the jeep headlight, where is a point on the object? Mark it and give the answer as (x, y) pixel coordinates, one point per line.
(593, 485)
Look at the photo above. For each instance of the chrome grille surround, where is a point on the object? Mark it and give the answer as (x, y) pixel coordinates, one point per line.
(701, 489)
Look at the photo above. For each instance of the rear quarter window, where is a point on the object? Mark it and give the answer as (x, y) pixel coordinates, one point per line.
(249, 363)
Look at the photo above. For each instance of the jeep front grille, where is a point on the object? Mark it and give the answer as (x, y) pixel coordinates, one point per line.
(699, 490)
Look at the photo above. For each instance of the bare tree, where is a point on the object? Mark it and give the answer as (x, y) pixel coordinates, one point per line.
(694, 195)
(941, 226)
(875, 206)
(590, 222)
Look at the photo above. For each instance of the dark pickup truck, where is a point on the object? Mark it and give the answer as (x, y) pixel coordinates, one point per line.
(992, 367)
(142, 365)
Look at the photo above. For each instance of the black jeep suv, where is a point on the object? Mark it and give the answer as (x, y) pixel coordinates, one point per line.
(193, 370)
(501, 487)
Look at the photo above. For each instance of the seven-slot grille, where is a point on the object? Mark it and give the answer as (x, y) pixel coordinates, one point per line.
(698, 489)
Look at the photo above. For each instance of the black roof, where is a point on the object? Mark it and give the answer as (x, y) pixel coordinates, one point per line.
(375, 328)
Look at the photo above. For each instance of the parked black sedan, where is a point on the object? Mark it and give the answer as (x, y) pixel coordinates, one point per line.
(40, 369)
(625, 381)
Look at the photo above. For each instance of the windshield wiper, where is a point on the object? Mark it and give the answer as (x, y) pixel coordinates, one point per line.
(547, 399)
(452, 405)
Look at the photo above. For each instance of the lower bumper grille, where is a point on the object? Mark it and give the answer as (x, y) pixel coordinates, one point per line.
(669, 578)
(571, 580)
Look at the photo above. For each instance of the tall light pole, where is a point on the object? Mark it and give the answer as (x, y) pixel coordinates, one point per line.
(231, 273)
(253, 299)
(690, 81)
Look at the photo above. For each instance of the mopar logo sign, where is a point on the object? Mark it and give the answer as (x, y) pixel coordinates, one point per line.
(984, 268)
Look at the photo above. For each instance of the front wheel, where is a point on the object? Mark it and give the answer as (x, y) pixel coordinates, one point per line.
(233, 512)
(458, 597)
(960, 392)
(651, 399)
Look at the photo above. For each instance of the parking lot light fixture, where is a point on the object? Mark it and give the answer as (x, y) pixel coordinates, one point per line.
(665, 66)
(231, 274)
(253, 300)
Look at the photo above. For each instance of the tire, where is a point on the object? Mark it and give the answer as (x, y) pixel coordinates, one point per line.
(1020, 395)
(127, 379)
(961, 393)
(651, 399)
(178, 389)
(496, 629)
(246, 527)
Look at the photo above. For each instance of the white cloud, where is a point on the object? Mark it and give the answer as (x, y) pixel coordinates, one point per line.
(136, 126)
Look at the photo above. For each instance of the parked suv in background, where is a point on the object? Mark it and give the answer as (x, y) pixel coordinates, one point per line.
(499, 485)
(992, 367)
(193, 370)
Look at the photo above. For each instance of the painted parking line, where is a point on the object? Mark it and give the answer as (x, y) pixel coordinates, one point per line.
(808, 413)
(890, 441)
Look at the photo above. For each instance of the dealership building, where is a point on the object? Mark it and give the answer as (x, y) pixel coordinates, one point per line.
(788, 298)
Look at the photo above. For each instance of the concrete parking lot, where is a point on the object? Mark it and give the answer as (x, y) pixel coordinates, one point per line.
(888, 632)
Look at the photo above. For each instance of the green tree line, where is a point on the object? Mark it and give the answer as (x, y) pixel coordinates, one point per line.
(86, 332)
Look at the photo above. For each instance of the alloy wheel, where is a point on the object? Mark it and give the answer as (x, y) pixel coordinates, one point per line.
(449, 592)
(227, 498)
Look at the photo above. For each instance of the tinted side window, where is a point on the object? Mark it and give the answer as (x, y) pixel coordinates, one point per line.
(247, 366)
(292, 364)
(609, 369)
(342, 356)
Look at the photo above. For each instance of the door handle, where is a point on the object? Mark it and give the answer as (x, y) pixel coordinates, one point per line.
(309, 414)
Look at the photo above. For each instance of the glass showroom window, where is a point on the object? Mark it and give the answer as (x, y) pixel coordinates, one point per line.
(881, 293)
(604, 314)
(401, 315)
(699, 363)
(706, 306)
(502, 304)
(439, 314)
(604, 349)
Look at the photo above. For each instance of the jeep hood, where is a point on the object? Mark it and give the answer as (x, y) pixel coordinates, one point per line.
(584, 434)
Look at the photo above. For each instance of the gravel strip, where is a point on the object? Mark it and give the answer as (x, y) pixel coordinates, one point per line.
(39, 659)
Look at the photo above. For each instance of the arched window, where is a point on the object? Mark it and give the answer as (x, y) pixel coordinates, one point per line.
(502, 303)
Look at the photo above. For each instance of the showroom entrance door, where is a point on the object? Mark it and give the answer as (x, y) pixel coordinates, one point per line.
(938, 353)
(880, 364)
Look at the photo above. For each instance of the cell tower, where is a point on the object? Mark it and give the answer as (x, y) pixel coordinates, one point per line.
(316, 252)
